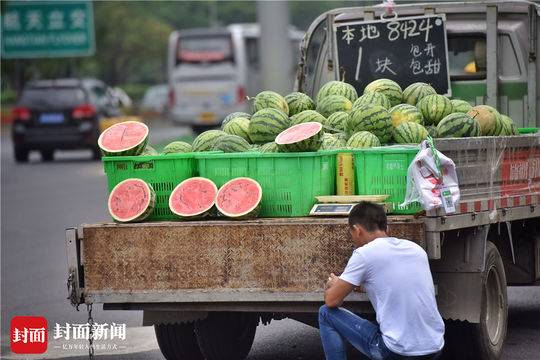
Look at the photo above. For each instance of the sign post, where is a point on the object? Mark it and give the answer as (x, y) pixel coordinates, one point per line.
(38, 29)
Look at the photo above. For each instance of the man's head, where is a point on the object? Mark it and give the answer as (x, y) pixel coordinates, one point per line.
(367, 221)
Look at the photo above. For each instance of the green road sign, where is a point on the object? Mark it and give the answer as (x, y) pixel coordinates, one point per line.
(36, 29)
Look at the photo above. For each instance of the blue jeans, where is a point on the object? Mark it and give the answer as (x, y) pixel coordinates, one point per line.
(338, 325)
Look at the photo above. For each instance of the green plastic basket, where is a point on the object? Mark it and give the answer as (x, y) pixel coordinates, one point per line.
(163, 172)
(528, 130)
(383, 171)
(290, 181)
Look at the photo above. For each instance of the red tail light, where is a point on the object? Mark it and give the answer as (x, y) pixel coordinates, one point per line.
(21, 113)
(83, 111)
(172, 97)
(240, 94)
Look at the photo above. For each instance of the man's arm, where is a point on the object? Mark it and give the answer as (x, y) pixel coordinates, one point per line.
(336, 291)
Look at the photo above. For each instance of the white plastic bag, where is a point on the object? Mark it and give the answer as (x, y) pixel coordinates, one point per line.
(424, 183)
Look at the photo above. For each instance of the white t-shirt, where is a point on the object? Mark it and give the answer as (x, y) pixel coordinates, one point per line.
(395, 274)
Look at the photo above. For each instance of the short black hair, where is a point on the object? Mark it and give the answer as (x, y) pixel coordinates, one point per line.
(369, 215)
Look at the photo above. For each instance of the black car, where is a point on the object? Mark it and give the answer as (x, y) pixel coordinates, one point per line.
(60, 114)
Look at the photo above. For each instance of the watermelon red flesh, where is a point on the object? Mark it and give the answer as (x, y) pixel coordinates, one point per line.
(193, 197)
(239, 197)
(298, 133)
(131, 200)
(123, 137)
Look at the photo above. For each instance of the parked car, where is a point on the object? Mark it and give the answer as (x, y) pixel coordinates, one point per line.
(155, 99)
(60, 114)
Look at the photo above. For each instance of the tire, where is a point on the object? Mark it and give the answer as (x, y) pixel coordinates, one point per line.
(482, 341)
(47, 155)
(178, 341)
(21, 154)
(226, 335)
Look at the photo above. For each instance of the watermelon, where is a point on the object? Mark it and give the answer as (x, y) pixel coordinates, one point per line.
(460, 106)
(374, 98)
(488, 118)
(299, 102)
(405, 113)
(124, 139)
(387, 87)
(416, 91)
(234, 115)
(239, 198)
(177, 147)
(307, 116)
(372, 118)
(270, 147)
(432, 131)
(149, 151)
(332, 142)
(232, 143)
(193, 197)
(458, 125)
(333, 103)
(206, 140)
(508, 128)
(410, 133)
(337, 88)
(238, 126)
(270, 100)
(434, 108)
(301, 137)
(337, 122)
(131, 200)
(266, 124)
(363, 139)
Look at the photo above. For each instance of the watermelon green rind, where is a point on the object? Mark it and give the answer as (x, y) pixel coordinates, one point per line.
(332, 142)
(177, 147)
(373, 98)
(410, 133)
(363, 139)
(206, 140)
(149, 151)
(234, 115)
(461, 106)
(336, 87)
(299, 102)
(309, 137)
(333, 103)
(238, 126)
(270, 100)
(266, 124)
(146, 208)
(307, 116)
(270, 147)
(373, 118)
(416, 91)
(231, 144)
(122, 128)
(508, 128)
(434, 108)
(251, 211)
(337, 122)
(405, 113)
(206, 210)
(458, 125)
(388, 87)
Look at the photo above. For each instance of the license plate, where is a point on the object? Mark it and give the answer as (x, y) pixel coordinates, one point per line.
(51, 118)
(207, 117)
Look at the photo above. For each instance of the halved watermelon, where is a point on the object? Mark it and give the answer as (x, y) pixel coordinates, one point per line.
(131, 200)
(302, 137)
(193, 197)
(239, 198)
(124, 139)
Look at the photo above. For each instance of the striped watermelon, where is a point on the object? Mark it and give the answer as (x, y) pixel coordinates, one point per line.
(299, 102)
(270, 100)
(372, 118)
(266, 124)
(332, 142)
(301, 137)
(239, 198)
(434, 108)
(410, 133)
(488, 118)
(373, 98)
(337, 88)
(460, 106)
(307, 116)
(177, 147)
(432, 131)
(508, 128)
(416, 91)
(270, 147)
(193, 198)
(149, 151)
(124, 139)
(405, 113)
(333, 103)
(232, 143)
(388, 87)
(131, 200)
(363, 139)
(233, 116)
(337, 122)
(458, 125)
(238, 126)
(206, 140)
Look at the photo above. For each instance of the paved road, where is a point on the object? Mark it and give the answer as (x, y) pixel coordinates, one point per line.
(39, 200)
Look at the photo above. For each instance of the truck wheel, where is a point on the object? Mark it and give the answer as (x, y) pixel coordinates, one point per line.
(47, 155)
(178, 341)
(226, 335)
(21, 154)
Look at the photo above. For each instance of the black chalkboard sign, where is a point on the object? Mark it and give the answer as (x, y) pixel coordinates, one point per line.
(406, 50)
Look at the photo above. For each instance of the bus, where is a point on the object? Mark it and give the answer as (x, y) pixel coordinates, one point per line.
(211, 72)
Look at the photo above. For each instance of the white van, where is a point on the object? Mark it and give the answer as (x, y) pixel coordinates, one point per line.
(211, 71)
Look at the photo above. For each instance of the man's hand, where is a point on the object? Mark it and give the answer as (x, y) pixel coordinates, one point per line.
(331, 281)
(336, 291)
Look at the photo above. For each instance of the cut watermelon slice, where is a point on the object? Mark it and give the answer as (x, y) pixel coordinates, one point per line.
(302, 137)
(123, 139)
(193, 197)
(131, 200)
(239, 198)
